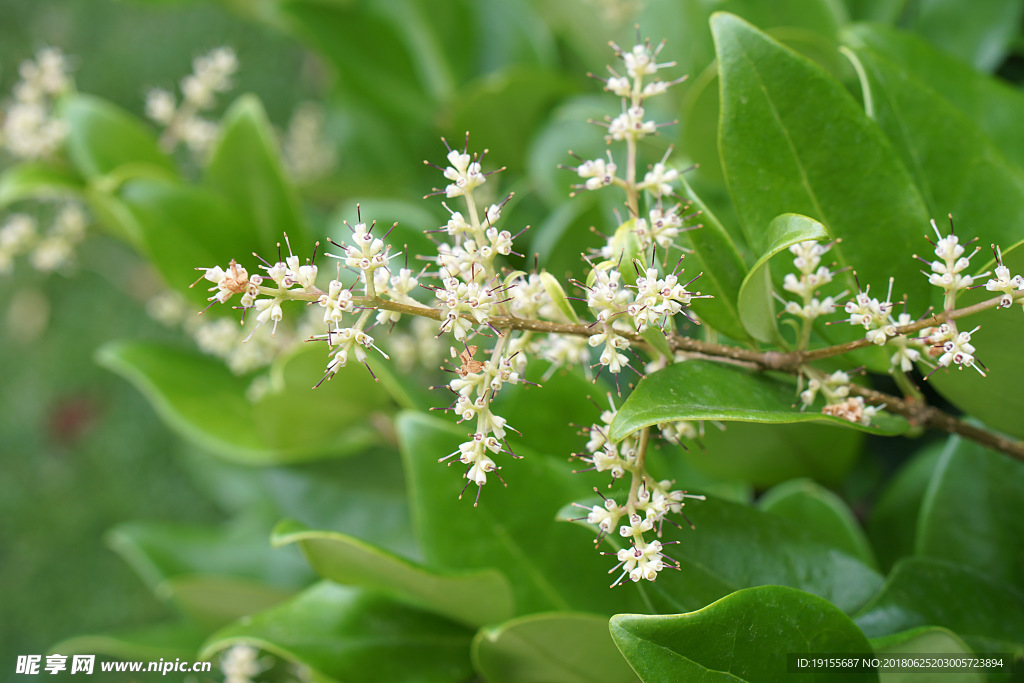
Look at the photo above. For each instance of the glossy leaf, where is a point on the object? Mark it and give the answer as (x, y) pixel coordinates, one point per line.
(558, 296)
(393, 82)
(348, 634)
(742, 637)
(990, 103)
(973, 512)
(363, 494)
(892, 525)
(626, 251)
(925, 640)
(550, 409)
(922, 591)
(550, 566)
(737, 546)
(755, 302)
(245, 168)
(558, 646)
(212, 575)
(34, 180)
(181, 227)
(957, 167)
(165, 641)
(718, 260)
(471, 598)
(772, 152)
(705, 390)
(103, 137)
(823, 515)
(766, 454)
(979, 35)
(201, 399)
(504, 109)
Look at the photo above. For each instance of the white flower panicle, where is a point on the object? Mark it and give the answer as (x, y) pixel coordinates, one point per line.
(954, 347)
(306, 153)
(873, 315)
(947, 271)
(1004, 282)
(477, 384)
(657, 299)
(211, 74)
(812, 277)
(47, 252)
(31, 128)
(646, 508)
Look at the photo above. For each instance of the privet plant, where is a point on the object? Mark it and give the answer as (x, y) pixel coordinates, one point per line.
(595, 390)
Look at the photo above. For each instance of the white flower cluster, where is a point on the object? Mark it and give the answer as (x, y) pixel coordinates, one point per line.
(463, 304)
(947, 271)
(835, 388)
(1004, 282)
(242, 664)
(644, 511)
(211, 74)
(477, 385)
(30, 127)
(657, 299)
(873, 315)
(47, 252)
(813, 276)
(306, 153)
(661, 228)
(953, 347)
(631, 125)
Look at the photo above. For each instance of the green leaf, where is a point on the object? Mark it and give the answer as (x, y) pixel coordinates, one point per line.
(776, 108)
(892, 526)
(823, 515)
(103, 137)
(36, 180)
(391, 80)
(291, 423)
(626, 251)
(925, 640)
(973, 512)
(957, 167)
(245, 167)
(980, 35)
(167, 641)
(504, 109)
(116, 218)
(558, 646)
(742, 637)
(471, 598)
(737, 546)
(923, 591)
(755, 302)
(551, 409)
(558, 296)
(348, 634)
(991, 104)
(212, 575)
(706, 390)
(765, 454)
(715, 256)
(181, 228)
(550, 566)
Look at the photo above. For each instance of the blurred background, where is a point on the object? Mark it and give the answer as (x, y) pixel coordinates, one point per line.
(81, 452)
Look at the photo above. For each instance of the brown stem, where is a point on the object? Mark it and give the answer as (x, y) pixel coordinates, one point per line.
(917, 412)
